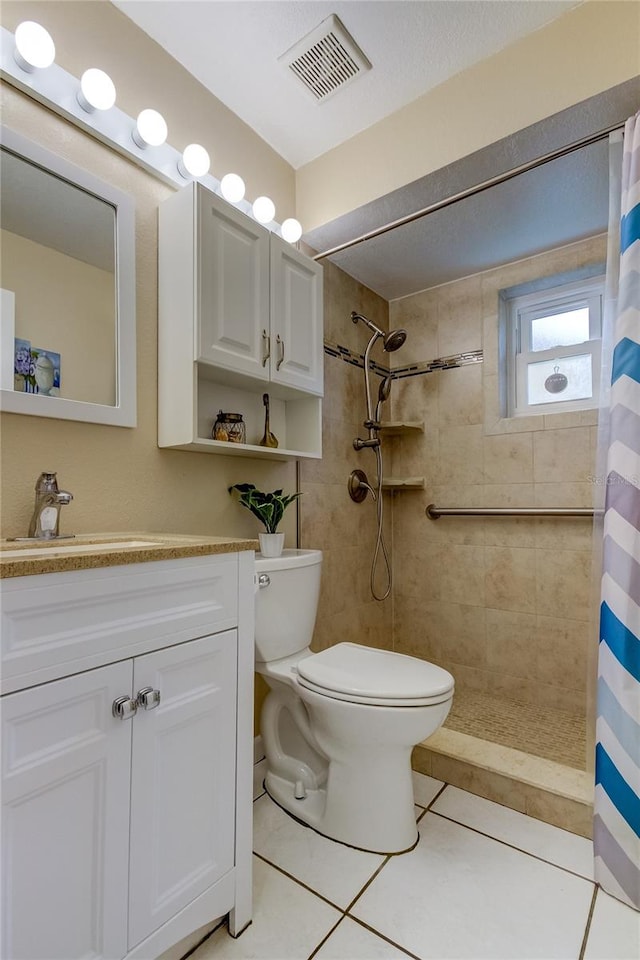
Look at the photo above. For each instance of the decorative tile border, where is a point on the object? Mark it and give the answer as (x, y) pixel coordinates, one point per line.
(412, 370)
(355, 359)
(442, 363)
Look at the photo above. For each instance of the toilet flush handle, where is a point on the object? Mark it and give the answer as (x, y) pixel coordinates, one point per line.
(264, 580)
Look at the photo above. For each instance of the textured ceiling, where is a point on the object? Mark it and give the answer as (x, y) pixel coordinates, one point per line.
(232, 48)
(557, 203)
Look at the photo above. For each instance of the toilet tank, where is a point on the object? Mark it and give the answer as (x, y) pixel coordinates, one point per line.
(286, 607)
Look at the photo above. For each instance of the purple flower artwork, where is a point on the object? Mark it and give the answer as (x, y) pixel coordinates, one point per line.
(23, 373)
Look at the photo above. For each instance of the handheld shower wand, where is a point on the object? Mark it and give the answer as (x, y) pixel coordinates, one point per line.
(358, 484)
(390, 342)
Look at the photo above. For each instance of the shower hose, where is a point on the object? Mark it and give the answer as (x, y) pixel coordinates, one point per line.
(380, 544)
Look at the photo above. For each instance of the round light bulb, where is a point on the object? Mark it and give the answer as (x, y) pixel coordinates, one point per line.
(264, 210)
(97, 91)
(34, 46)
(232, 187)
(150, 130)
(291, 230)
(195, 161)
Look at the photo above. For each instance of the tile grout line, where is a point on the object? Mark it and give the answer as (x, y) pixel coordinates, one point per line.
(382, 936)
(587, 928)
(512, 846)
(343, 911)
(368, 883)
(300, 883)
(437, 797)
(326, 937)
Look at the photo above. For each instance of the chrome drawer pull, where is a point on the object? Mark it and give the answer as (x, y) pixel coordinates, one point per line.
(264, 580)
(281, 345)
(148, 698)
(124, 708)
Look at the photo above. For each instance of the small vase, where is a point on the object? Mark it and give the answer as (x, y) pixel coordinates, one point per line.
(271, 544)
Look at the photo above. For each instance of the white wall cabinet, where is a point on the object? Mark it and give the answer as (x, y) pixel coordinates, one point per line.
(230, 271)
(297, 351)
(240, 314)
(122, 835)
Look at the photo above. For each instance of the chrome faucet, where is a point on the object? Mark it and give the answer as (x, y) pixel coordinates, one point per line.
(45, 521)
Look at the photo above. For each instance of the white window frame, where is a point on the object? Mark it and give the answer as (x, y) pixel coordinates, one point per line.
(522, 311)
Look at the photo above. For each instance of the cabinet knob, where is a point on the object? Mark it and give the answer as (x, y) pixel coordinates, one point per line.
(266, 339)
(280, 343)
(264, 580)
(124, 708)
(148, 698)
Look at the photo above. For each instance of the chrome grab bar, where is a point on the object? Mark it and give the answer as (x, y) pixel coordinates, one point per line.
(434, 513)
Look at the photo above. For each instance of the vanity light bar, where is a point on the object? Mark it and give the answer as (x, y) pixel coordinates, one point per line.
(62, 93)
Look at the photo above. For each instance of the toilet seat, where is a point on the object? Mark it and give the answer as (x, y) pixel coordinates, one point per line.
(358, 674)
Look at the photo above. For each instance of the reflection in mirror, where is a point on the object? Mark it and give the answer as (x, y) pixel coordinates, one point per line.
(58, 261)
(68, 319)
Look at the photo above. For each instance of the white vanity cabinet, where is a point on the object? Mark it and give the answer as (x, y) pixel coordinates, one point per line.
(127, 757)
(240, 314)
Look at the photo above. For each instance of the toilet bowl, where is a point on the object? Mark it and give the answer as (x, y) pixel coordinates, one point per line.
(338, 727)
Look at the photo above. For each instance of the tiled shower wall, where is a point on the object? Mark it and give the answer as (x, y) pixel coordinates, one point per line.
(330, 521)
(502, 603)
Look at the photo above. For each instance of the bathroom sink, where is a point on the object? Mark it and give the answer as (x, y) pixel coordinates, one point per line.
(64, 547)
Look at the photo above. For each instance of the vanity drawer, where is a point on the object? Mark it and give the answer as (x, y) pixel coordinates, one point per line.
(57, 624)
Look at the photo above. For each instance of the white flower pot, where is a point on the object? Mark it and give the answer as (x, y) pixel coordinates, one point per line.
(271, 544)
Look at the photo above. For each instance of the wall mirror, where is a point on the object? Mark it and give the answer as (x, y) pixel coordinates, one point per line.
(67, 280)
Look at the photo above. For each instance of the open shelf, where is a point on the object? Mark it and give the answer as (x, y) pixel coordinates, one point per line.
(397, 428)
(204, 445)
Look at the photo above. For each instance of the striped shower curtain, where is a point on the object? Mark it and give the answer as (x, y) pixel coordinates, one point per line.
(617, 781)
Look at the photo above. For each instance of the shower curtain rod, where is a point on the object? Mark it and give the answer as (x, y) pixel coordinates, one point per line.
(472, 191)
(434, 512)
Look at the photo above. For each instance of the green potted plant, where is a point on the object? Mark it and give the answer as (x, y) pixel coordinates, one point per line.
(269, 509)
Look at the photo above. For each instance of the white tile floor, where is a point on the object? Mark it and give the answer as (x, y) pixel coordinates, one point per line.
(483, 882)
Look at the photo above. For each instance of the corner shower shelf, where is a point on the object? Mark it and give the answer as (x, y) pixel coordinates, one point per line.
(403, 483)
(396, 428)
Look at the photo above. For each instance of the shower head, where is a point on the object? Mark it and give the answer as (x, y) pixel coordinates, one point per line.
(384, 389)
(391, 341)
(394, 340)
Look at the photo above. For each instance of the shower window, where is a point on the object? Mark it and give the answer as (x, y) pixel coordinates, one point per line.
(554, 338)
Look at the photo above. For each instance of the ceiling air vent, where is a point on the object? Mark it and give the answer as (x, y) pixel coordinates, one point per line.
(326, 60)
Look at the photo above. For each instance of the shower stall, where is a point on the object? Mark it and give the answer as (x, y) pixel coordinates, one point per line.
(505, 603)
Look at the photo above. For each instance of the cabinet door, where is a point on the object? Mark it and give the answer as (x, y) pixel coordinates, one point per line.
(183, 771)
(233, 270)
(297, 349)
(65, 818)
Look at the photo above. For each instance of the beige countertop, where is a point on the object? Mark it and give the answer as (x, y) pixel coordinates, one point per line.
(83, 552)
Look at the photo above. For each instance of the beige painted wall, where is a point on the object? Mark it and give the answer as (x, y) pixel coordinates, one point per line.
(120, 479)
(502, 603)
(66, 306)
(588, 50)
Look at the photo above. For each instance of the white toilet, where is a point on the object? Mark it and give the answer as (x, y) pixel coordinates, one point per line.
(338, 727)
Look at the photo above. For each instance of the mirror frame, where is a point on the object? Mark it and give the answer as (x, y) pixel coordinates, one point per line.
(123, 412)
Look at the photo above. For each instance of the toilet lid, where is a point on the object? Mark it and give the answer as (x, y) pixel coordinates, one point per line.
(376, 675)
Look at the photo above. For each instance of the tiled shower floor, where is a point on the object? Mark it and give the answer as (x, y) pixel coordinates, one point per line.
(541, 731)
